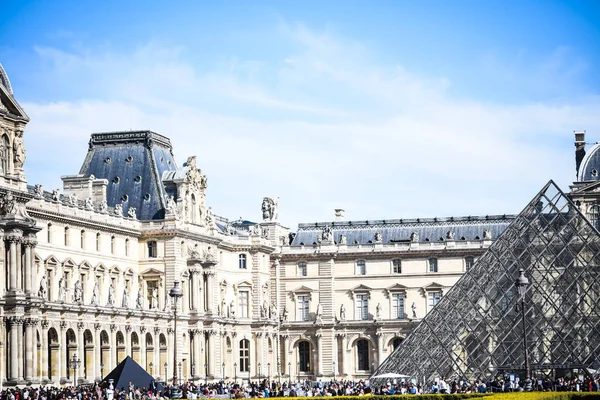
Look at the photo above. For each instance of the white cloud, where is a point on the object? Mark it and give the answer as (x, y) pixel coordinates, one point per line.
(325, 126)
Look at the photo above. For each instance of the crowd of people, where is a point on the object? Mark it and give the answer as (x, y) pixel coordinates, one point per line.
(265, 388)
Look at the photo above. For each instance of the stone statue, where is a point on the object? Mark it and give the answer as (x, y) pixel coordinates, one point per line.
(327, 234)
(257, 230)
(19, 150)
(103, 207)
(487, 234)
(154, 303)
(265, 309)
(231, 309)
(72, 200)
(119, 210)
(450, 235)
(378, 311)
(56, 194)
(343, 239)
(139, 302)
(210, 219)
(95, 294)
(42, 290)
(111, 295)
(125, 301)
(413, 307)
(62, 290)
(131, 212)
(7, 204)
(223, 306)
(38, 191)
(414, 237)
(171, 208)
(274, 313)
(77, 292)
(269, 209)
(319, 312)
(89, 205)
(285, 314)
(342, 312)
(378, 237)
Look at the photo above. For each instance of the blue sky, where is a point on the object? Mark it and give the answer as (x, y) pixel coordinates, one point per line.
(387, 109)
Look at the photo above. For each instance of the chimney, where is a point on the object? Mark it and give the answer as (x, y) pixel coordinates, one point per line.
(339, 214)
(579, 149)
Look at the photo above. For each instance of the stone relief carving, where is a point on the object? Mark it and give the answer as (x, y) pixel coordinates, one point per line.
(269, 208)
(131, 212)
(89, 205)
(7, 204)
(194, 176)
(119, 210)
(103, 207)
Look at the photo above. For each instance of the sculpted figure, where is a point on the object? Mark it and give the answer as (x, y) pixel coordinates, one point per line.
(171, 206)
(487, 234)
(72, 200)
(274, 312)
(210, 219)
(42, 290)
(343, 239)
(327, 234)
(89, 205)
(319, 312)
(38, 191)
(95, 294)
(119, 210)
(19, 150)
(378, 237)
(450, 235)
(342, 312)
(286, 314)
(413, 307)
(378, 311)
(265, 309)
(414, 237)
(103, 207)
(56, 194)
(77, 292)
(125, 301)
(269, 209)
(111, 295)
(139, 302)
(131, 212)
(154, 303)
(62, 290)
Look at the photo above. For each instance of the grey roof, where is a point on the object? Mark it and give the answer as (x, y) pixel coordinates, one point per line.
(133, 163)
(400, 230)
(590, 165)
(4, 81)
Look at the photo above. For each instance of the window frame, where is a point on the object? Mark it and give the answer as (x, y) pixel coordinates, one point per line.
(397, 266)
(432, 299)
(433, 265)
(362, 306)
(244, 355)
(303, 307)
(302, 269)
(242, 261)
(152, 249)
(397, 311)
(360, 267)
(244, 304)
(469, 262)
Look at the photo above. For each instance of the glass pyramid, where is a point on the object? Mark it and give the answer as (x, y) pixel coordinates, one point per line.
(476, 331)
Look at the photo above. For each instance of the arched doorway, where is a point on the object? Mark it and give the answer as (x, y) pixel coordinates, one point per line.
(150, 367)
(363, 359)
(396, 342)
(53, 356)
(121, 352)
(105, 366)
(135, 347)
(70, 349)
(88, 355)
(304, 358)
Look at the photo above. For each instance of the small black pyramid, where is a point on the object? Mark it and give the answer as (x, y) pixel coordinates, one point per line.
(476, 331)
(129, 371)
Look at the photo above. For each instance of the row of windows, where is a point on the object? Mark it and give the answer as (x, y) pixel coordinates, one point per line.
(361, 266)
(83, 237)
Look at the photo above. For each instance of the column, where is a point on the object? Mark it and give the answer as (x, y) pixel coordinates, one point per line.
(128, 350)
(211, 353)
(29, 323)
(28, 261)
(13, 239)
(21, 356)
(113, 348)
(44, 333)
(284, 358)
(143, 345)
(210, 292)
(170, 348)
(13, 374)
(82, 370)
(63, 362)
(379, 348)
(158, 369)
(343, 367)
(35, 372)
(195, 291)
(97, 350)
(319, 353)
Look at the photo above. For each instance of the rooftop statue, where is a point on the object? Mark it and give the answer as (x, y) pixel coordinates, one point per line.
(269, 209)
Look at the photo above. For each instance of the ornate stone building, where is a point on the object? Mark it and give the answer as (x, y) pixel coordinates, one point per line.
(88, 269)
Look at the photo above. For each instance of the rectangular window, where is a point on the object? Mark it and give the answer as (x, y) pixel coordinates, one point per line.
(362, 304)
(127, 247)
(243, 304)
(67, 236)
(82, 240)
(397, 264)
(97, 241)
(82, 281)
(361, 268)
(302, 271)
(469, 261)
(152, 249)
(434, 298)
(303, 307)
(152, 294)
(242, 261)
(433, 265)
(398, 306)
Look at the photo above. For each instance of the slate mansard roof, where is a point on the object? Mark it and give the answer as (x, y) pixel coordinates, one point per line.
(400, 230)
(133, 163)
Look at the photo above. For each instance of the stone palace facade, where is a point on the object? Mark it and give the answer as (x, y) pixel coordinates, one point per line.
(88, 269)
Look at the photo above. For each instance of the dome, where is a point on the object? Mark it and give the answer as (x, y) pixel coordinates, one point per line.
(590, 165)
(4, 80)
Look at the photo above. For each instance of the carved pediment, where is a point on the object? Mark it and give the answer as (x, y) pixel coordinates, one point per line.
(151, 271)
(396, 288)
(433, 286)
(7, 101)
(302, 289)
(361, 288)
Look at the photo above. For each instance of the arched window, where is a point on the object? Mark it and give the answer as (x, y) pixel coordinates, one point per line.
(433, 265)
(304, 356)
(244, 355)
(82, 239)
(4, 155)
(242, 261)
(396, 343)
(66, 235)
(362, 352)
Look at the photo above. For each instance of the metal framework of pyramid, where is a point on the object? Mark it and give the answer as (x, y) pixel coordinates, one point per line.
(475, 331)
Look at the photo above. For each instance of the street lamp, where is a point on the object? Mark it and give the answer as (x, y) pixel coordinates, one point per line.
(193, 370)
(279, 372)
(176, 293)
(166, 379)
(269, 371)
(205, 373)
(298, 371)
(223, 370)
(334, 371)
(151, 367)
(180, 369)
(522, 283)
(259, 371)
(101, 371)
(75, 363)
(290, 372)
(234, 372)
